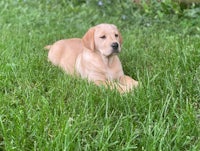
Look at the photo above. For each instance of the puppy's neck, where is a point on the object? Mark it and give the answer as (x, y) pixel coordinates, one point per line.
(108, 60)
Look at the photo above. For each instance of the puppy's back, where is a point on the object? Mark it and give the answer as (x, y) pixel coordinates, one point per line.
(64, 53)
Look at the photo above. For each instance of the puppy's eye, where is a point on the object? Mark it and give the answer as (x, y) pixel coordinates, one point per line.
(116, 35)
(103, 37)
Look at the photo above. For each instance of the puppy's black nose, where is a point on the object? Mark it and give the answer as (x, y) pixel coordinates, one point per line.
(115, 45)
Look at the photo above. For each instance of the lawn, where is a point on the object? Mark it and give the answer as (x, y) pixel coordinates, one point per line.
(42, 108)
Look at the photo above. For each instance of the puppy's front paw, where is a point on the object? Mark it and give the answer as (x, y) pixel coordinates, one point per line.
(135, 83)
(127, 83)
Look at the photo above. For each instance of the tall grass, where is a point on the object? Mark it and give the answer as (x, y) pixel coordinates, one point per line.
(42, 108)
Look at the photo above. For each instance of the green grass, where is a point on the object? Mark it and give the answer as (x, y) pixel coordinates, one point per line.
(42, 108)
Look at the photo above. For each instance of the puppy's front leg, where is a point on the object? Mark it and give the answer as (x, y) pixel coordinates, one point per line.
(111, 85)
(128, 83)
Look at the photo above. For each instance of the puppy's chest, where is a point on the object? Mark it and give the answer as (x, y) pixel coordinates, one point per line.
(112, 73)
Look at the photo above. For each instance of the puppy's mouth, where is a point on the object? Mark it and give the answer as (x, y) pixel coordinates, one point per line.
(115, 51)
(115, 48)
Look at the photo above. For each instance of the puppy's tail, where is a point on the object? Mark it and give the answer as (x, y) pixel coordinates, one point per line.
(47, 47)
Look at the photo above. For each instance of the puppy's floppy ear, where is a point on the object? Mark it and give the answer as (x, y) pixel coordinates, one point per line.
(88, 39)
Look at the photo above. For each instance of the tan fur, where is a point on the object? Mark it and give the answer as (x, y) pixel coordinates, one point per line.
(93, 57)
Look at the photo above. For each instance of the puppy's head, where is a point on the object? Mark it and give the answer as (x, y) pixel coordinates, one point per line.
(104, 38)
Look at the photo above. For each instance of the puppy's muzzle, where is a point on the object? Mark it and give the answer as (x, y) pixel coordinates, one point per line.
(115, 47)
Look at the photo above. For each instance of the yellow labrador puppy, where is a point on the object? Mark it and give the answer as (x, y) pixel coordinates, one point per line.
(93, 57)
